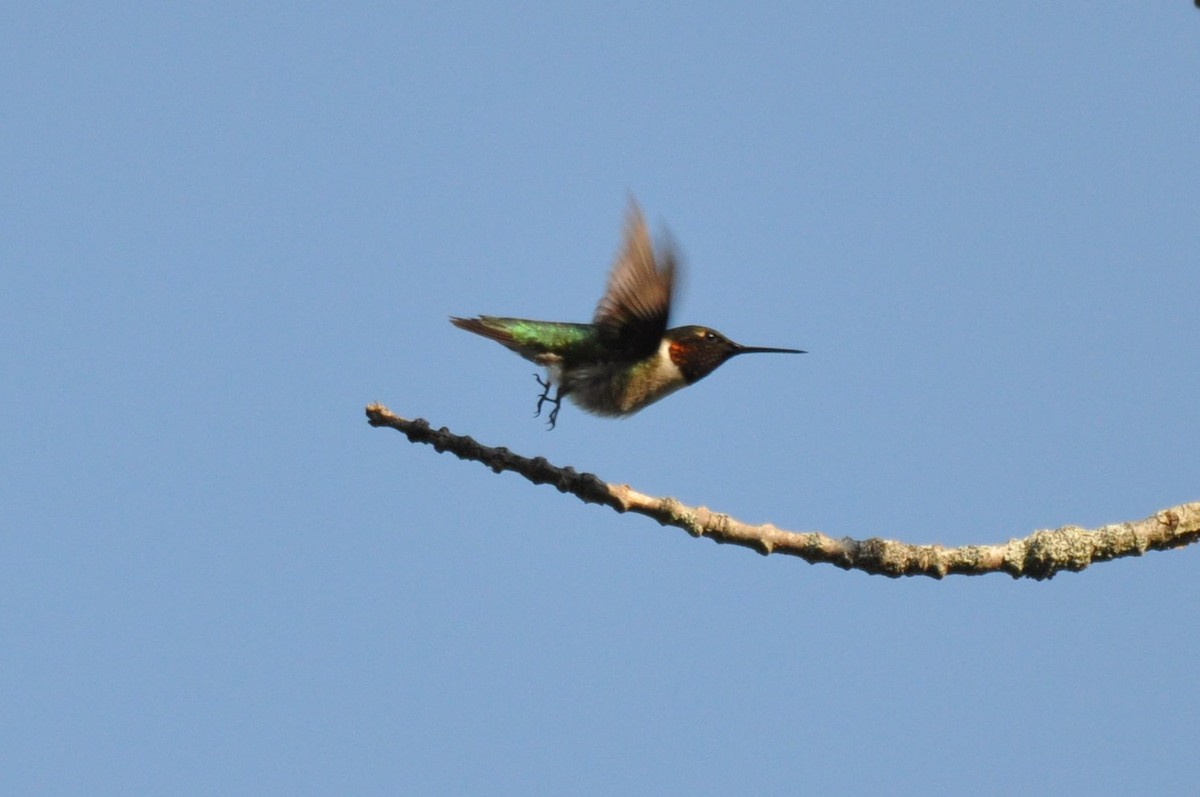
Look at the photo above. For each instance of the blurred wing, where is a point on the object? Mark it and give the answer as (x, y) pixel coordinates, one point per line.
(632, 315)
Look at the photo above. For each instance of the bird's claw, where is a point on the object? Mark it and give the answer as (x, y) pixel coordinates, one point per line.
(552, 419)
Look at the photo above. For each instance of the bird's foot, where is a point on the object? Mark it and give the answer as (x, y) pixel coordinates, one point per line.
(542, 399)
(545, 397)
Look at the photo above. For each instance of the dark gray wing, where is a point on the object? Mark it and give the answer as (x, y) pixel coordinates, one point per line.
(632, 315)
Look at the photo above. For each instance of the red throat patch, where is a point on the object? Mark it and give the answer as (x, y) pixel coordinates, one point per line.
(675, 352)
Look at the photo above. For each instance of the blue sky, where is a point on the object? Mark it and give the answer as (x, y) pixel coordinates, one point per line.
(226, 229)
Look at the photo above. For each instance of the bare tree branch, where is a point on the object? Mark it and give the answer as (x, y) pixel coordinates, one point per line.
(1038, 556)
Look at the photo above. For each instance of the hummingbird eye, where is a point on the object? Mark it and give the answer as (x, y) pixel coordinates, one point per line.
(710, 335)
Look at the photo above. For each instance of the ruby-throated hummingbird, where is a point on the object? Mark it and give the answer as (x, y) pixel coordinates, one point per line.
(626, 358)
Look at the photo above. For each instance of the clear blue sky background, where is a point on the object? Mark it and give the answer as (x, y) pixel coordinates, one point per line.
(227, 228)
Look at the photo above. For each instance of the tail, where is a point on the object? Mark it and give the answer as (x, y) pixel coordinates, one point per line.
(502, 330)
(486, 326)
(542, 342)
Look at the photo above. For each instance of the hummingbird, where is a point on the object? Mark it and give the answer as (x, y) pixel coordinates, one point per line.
(626, 359)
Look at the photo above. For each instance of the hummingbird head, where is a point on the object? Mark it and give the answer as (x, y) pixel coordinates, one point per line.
(698, 351)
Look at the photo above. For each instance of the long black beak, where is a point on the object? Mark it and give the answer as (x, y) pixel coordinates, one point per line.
(740, 349)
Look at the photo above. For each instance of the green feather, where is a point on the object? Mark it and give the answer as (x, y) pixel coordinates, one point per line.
(534, 339)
